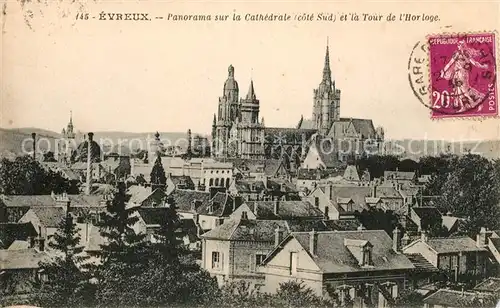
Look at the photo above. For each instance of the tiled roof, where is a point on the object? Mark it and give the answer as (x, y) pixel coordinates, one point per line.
(351, 173)
(421, 264)
(306, 124)
(287, 135)
(492, 284)
(182, 179)
(220, 205)
(449, 222)
(452, 298)
(453, 244)
(426, 211)
(247, 186)
(21, 259)
(496, 242)
(286, 209)
(332, 255)
(343, 225)
(398, 175)
(271, 166)
(184, 198)
(48, 200)
(237, 229)
(311, 174)
(387, 192)
(153, 215)
(49, 217)
(19, 244)
(138, 193)
(281, 185)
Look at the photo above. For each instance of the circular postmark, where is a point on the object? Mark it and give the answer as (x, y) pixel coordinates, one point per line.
(455, 74)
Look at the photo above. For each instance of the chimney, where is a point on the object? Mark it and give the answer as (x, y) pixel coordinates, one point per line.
(423, 236)
(276, 206)
(89, 163)
(396, 240)
(278, 236)
(313, 242)
(33, 136)
(244, 215)
(481, 239)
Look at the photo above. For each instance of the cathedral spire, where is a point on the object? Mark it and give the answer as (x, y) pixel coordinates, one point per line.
(251, 92)
(327, 73)
(71, 117)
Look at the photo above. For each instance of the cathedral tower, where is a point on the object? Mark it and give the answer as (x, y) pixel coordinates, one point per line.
(326, 107)
(228, 113)
(249, 129)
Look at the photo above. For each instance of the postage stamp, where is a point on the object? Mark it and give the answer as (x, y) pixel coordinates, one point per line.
(462, 71)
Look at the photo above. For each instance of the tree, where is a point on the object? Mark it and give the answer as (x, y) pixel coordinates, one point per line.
(378, 219)
(124, 255)
(378, 164)
(472, 191)
(67, 276)
(25, 176)
(158, 178)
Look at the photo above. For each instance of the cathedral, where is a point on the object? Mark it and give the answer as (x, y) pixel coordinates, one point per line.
(238, 131)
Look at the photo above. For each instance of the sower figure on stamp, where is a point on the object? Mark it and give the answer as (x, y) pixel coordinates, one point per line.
(457, 70)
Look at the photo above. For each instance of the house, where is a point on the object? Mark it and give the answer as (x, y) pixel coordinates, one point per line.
(366, 266)
(178, 182)
(340, 200)
(151, 219)
(213, 213)
(19, 268)
(279, 210)
(188, 202)
(452, 223)
(233, 250)
(44, 219)
(263, 188)
(459, 258)
(146, 196)
(400, 176)
(204, 172)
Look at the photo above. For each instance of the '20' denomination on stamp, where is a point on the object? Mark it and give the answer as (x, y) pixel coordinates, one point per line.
(463, 75)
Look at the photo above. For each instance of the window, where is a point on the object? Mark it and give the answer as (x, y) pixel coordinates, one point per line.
(367, 256)
(326, 211)
(259, 258)
(316, 201)
(293, 263)
(216, 260)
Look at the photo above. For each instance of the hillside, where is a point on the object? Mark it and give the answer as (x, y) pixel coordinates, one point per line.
(17, 141)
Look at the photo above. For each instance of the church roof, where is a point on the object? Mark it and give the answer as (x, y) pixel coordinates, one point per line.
(283, 135)
(251, 92)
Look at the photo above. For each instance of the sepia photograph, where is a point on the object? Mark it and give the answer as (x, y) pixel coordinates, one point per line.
(249, 154)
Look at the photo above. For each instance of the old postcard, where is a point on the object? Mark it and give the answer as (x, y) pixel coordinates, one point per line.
(249, 154)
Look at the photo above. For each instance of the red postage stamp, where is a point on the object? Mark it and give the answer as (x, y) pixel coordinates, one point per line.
(463, 75)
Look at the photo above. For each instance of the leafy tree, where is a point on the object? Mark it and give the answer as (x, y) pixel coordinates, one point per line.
(25, 176)
(378, 219)
(67, 275)
(158, 178)
(472, 191)
(124, 255)
(438, 167)
(378, 164)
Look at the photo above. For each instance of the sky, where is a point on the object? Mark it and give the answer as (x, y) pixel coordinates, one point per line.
(164, 75)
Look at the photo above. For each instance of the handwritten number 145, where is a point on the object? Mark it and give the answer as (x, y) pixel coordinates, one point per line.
(84, 16)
